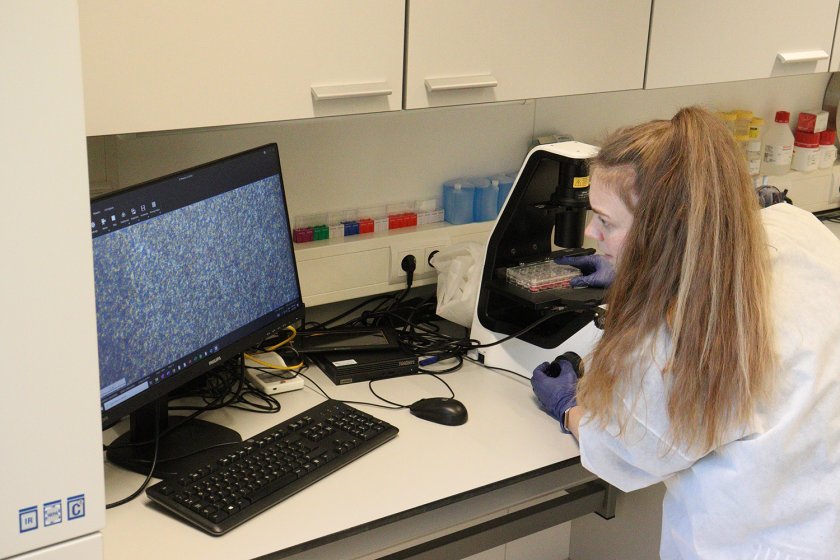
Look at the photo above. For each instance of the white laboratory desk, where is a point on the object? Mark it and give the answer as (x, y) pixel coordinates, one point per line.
(501, 473)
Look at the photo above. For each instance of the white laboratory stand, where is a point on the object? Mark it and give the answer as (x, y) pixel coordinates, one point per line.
(52, 491)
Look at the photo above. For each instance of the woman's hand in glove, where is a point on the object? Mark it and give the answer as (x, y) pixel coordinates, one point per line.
(556, 394)
(597, 271)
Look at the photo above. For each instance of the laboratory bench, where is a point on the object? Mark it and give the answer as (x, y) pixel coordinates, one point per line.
(434, 491)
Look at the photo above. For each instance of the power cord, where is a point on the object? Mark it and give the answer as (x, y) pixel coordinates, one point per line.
(151, 468)
(394, 406)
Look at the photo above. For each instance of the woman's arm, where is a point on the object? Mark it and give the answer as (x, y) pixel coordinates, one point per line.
(573, 420)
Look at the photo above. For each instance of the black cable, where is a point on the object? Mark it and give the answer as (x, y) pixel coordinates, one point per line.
(151, 468)
(460, 363)
(167, 431)
(397, 405)
(415, 322)
(199, 451)
(224, 386)
(495, 368)
(329, 398)
(229, 381)
(315, 325)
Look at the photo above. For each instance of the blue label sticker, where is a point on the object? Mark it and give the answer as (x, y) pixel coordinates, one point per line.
(52, 513)
(75, 507)
(28, 518)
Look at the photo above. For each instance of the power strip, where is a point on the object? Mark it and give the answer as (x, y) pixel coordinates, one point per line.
(280, 381)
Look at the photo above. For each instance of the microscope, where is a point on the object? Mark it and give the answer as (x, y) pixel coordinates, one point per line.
(542, 219)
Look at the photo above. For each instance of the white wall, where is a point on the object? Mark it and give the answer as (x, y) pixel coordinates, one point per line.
(590, 117)
(337, 163)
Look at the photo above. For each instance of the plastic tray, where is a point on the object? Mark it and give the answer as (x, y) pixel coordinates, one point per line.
(540, 276)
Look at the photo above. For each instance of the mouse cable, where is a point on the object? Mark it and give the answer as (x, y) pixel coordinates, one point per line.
(397, 405)
(151, 468)
(329, 398)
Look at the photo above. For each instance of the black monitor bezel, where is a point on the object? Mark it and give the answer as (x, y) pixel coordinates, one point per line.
(295, 317)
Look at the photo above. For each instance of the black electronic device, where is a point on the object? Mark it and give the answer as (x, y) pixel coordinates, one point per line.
(573, 358)
(190, 270)
(440, 410)
(271, 466)
(366, 365)
(339, 340)
(543, 219)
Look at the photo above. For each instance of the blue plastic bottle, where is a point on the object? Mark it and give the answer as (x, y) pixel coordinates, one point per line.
(486, 205)
(458, 201)
(505, 186)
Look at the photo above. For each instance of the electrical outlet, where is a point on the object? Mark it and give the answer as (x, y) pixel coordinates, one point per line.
(421, 252)
(397, 274)
(429, 250)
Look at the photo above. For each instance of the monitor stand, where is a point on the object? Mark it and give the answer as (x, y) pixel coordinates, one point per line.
(184, 447)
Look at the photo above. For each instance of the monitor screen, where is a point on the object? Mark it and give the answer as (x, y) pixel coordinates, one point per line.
(191, 269)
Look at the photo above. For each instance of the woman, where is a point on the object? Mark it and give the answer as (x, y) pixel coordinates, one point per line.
(718, 371)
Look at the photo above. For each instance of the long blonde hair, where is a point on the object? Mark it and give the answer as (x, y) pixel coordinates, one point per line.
(694, 263)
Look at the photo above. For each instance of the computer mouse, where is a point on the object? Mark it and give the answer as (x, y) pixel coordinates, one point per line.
(440, 410)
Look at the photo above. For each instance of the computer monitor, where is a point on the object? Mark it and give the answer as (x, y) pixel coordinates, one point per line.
(190, 270)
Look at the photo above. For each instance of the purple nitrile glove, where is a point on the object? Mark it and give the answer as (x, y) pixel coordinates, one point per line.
(597, 271)
(556, 394)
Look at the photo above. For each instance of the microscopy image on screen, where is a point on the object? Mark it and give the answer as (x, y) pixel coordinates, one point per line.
(178, 282)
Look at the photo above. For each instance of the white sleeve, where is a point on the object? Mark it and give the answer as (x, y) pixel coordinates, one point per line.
(641, 454)
(634, 459)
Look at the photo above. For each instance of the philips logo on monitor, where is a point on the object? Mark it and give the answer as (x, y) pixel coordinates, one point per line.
(215, 360)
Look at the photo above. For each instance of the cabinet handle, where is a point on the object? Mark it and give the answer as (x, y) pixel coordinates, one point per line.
(461, 82)
(801, 56)
(349, 91)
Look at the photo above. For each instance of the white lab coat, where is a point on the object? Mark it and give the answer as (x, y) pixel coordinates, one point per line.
(772, 491)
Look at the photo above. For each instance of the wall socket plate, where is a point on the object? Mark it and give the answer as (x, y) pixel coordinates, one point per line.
(421, 252)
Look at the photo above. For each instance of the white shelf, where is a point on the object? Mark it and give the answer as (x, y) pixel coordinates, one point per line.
(813, 190)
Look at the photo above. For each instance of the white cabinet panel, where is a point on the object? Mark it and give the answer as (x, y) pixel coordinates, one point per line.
(721, 41)
(159, 64)
(475, 51)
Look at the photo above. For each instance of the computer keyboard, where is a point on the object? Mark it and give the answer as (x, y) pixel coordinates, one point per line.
(271, 466)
